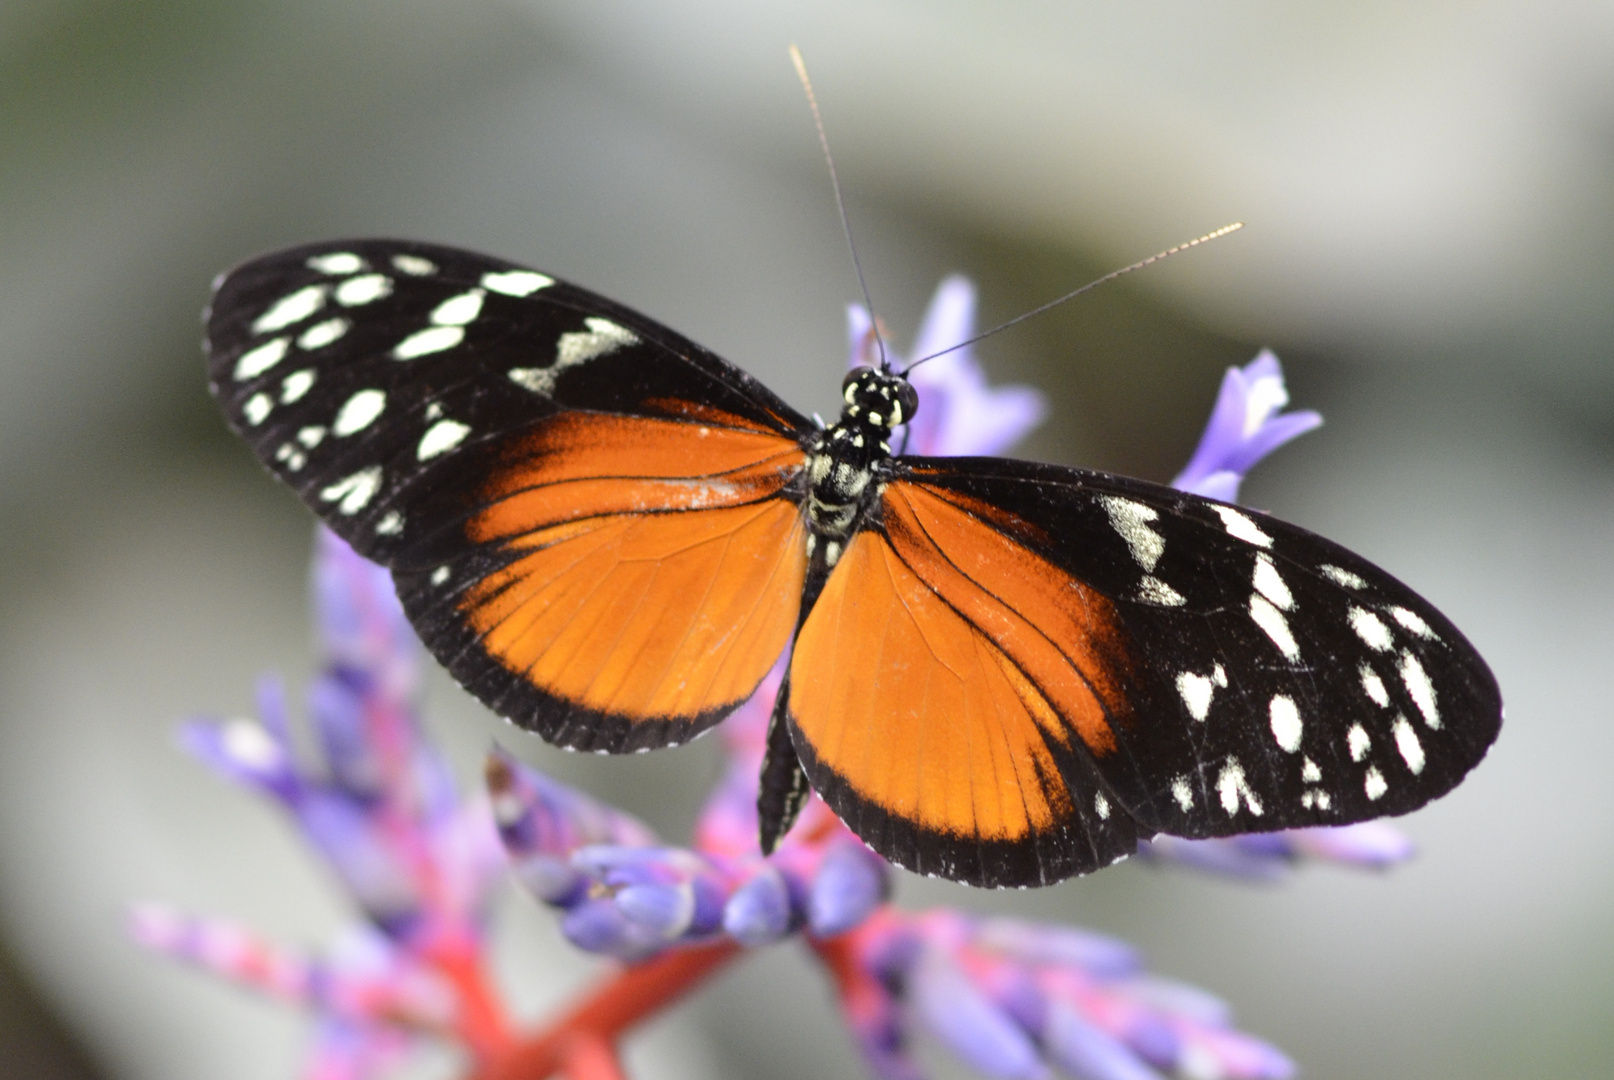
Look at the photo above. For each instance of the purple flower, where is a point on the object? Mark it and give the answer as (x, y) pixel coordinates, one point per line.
(374, 1001)
(1245, 426)
(959, 414)
(380, 808)
(1015, 1000)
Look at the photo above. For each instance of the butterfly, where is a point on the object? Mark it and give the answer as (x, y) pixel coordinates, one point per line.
(1001, 672)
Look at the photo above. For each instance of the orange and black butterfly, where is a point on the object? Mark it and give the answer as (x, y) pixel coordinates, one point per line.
(1001, 672)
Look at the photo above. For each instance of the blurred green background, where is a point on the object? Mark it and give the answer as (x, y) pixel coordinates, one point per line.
(1430, 195)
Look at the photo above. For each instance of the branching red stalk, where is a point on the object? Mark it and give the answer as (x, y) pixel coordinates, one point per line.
(580, 1044)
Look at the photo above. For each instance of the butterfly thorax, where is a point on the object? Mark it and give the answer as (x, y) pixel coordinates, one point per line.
(844, 460)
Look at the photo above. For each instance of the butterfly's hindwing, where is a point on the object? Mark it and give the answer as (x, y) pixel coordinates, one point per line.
(513, 447)
(1272, 678)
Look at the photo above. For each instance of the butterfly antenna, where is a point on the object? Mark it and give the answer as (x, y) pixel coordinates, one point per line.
(840, 202)
(1111, 276)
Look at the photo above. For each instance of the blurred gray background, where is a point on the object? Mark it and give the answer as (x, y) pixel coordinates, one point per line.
(1430, 195)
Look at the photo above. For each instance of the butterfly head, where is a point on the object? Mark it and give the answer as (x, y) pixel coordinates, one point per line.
(878, 399)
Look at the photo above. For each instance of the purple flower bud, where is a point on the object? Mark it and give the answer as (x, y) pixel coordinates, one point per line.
(361, 624)
(667, 910)
(760, 911)
(1212, 1052)
(969, 1023)
(1374, 844)
(244, 751)
(1154, 1040)
(885, 1046)
(1244, 428)
(1181, 1000)
(598, 926)
(1095, 954)
(360, 853)
(851, 882)
(1218, 856)
(336, 706)
(550, 878)
(1085, 1050)
(344, 1050)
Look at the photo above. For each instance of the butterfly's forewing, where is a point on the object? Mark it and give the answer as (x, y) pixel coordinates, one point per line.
(1208, 671)
(591, 520)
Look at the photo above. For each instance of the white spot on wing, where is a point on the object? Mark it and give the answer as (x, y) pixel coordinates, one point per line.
(1154, 591)
(1196, 691)
(311, 436)
(391, 524)
(1270, 585)
(255, 362)
(291, 308)
(1231, 785)
(1370, 628)
(295, 385)
(1341, 576)
(602, 337)
(1374, 784)
(1422, 690)
(353, 493)
(1271, 620)
(1309, 772)
(1131, 520)
(1406, 741)
(439, 575)
(1357, 742)
(1183, 793)
(322, 334)
(1286, 725)
(430, 340)
(359, 412)
(1373, 686)
(459, 310)
(516, 282)
(1101, 805)
(579, 347)
(1240, 526)
(291, 457)
(414, 265)
(1412, 621)
(364, 289)
(257, 408)
(440, 438)
(336, 263)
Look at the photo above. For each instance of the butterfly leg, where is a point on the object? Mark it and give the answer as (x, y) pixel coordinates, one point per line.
(783, 789)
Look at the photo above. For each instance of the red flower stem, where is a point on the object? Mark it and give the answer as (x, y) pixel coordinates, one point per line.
(836, 953)
(482, 1023)
(591, 1057)
(581, 1042)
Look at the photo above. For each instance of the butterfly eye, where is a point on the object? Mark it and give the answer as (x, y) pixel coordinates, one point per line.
(851, 380)
(907, 400)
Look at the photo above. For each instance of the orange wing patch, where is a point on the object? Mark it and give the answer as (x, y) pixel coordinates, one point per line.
(582, 465)
(1063, 635)
(658, 573)
(916, 711)
(943, 673)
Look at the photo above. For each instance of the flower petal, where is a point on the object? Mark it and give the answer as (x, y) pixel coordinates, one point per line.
(968, 1022)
